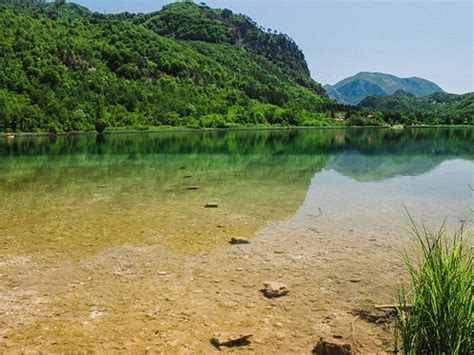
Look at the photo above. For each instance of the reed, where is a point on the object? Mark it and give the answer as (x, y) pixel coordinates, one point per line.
(436, 311)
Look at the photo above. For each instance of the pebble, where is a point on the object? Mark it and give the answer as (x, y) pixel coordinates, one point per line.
(239, 241)
(275, 289)
(231, 339)
(162, 273)
(96, 314)
(333, 346)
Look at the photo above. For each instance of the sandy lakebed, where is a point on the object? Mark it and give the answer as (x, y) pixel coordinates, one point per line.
(113, 251)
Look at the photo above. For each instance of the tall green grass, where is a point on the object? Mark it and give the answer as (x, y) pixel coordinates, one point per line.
(436, 313)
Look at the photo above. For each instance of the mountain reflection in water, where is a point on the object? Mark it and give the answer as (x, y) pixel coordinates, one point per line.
(80, 194)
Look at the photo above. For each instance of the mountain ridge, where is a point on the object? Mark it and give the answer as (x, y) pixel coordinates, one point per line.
(353, 89)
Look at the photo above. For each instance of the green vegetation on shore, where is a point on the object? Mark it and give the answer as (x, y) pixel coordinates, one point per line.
(437, 312)
(438, 108)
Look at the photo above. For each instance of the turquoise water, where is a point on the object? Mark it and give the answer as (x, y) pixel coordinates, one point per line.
(76, 195)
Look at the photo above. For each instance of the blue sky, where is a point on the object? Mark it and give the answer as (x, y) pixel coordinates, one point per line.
(430, 39)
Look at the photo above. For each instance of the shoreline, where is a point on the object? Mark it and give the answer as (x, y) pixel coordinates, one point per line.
(117, 131)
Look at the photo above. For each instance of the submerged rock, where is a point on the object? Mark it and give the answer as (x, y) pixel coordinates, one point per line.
(374, 315)
(211, 205)
(275, 289)
(239, 241)
(332, 347)
(355, 280)
(231, 339)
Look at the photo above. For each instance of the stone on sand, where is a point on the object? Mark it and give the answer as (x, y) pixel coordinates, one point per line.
(231, 339)
(239, 241)
(332, 347)
(275, 289)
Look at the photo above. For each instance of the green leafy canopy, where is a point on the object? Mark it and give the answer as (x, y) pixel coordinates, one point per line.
(66, 68)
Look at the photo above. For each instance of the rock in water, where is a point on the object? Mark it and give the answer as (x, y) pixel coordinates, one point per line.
(231, 339)
(332, 347)
(275, 289)
(239, 241)
(211, 205)
(355, 280)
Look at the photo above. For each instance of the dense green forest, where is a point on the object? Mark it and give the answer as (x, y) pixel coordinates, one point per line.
(437, 108)
(65, 68)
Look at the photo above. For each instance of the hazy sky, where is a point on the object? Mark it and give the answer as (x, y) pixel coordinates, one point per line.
(430, 39)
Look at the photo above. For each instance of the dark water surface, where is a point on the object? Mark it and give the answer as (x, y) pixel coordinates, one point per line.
(76, 195)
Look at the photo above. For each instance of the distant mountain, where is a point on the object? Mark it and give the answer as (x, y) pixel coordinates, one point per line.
(355, 88)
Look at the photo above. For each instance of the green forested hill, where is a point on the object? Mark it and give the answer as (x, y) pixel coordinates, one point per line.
(63, 67)
(54, 10)
(437, 108)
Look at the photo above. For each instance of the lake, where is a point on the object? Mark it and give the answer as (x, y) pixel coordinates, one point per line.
(76, 195)
(106, 244)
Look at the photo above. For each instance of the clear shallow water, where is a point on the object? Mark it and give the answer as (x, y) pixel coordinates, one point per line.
(381, 208)
(77, 195)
